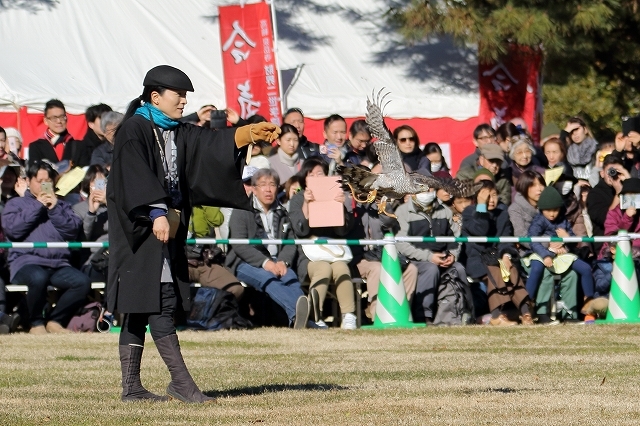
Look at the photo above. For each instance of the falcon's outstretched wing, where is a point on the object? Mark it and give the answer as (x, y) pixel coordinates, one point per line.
(455, 187)
(386, 149)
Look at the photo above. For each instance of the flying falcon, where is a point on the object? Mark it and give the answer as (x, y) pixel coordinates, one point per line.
(394, 182)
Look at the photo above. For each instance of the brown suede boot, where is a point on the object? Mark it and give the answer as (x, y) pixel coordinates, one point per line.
(132, 389)
(182, 386)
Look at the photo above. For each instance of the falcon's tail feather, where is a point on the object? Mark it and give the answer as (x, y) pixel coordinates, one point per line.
(462, 188)
(375, 116)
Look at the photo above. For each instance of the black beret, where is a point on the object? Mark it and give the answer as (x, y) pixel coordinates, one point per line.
(169, 77)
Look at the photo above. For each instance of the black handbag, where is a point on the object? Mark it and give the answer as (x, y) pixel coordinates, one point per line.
(490, 256)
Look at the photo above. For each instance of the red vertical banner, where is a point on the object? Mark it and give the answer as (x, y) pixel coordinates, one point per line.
(249, 63)
(512, 88)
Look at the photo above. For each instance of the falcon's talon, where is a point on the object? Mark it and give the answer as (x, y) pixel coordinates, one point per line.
(355, 197)
(382, 208)
(372, 196)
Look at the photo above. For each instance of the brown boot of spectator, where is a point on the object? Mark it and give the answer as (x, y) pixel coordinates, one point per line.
(38, 329)
(182, 386)
(132, 389)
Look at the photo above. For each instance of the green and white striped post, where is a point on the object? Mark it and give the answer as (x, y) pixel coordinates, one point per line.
(392, 309)
(624, 299)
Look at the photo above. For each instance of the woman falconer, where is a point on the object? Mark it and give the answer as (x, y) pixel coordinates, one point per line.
(161, 167)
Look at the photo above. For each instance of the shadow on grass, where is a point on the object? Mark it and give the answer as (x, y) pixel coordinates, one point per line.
(277, 387)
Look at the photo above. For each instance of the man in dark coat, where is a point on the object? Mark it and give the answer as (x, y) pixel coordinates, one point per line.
(161, 167)
(94, 136)
(57, 144)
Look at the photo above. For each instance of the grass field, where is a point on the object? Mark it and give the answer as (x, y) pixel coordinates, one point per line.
(562, 375)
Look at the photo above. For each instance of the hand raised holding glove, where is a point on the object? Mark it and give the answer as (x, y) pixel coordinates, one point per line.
(257, 132)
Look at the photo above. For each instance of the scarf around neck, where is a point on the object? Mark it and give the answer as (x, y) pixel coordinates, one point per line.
(288, 160)
(581, 154)
(161, 120)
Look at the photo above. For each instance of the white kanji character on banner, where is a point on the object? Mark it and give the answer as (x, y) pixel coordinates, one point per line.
(248, 106)
(500, 74)
(238, 55)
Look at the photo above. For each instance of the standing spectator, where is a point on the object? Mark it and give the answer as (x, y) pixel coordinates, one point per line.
(334, 151)
(482, 135)
(11, 145)
(359, 139)
(267, 268)
(434, 161)
(491, 158)
(408, 143)
(57, 144)
(40, 216)
(95, 135)
(306, 148)
(103, 154)
(582, 147)
(604, 196)
(555, 151)
(286, 160)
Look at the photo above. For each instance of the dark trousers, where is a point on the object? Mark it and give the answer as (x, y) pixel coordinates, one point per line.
(161, 323)
(74, 284)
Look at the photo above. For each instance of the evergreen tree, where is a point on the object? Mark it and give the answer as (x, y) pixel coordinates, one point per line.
(591, 48)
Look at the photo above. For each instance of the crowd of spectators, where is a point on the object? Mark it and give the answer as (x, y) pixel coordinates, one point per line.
(566, 185)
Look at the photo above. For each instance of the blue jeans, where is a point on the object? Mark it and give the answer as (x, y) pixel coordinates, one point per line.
(75, 284)
(581, 267)
(285, 290)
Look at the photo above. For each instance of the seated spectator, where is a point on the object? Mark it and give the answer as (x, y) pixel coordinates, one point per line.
(267, 268)
(368, 224)
(581, 149)
(434, 161)
(57, 144)
(321, 274)
(93, 208)
(422, 216)
(103, 154)
(359, 140)
(483, 134)
(489, 217)
(521, 212)
(286, 160)
(335, 149)
(291, 187)
(206, 262)
(551, 222)
(306, 148)
(490, 158)
(95, 134)
(408, 142)
(40, 216)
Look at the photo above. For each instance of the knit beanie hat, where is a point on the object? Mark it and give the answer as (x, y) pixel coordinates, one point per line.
(550, 199)
(483, 171)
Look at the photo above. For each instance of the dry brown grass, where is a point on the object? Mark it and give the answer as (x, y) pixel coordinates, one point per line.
(475, 375)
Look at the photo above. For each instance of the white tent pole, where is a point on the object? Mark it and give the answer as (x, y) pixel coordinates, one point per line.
(274, 25)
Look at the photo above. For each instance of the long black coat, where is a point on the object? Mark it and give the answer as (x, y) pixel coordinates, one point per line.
(209, 169)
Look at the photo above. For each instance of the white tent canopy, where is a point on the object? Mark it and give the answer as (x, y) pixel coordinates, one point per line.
(87, 52)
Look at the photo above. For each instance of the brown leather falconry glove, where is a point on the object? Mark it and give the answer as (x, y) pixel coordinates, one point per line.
(257, 132)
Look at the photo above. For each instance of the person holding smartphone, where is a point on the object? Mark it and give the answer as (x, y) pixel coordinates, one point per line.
(93, 209)
(40, 216)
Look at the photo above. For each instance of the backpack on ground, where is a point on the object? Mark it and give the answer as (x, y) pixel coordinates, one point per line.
(215, 309)
(455, 301)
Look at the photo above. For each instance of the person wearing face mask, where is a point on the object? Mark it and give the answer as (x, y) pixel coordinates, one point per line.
(423, 216)
(434, 161)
